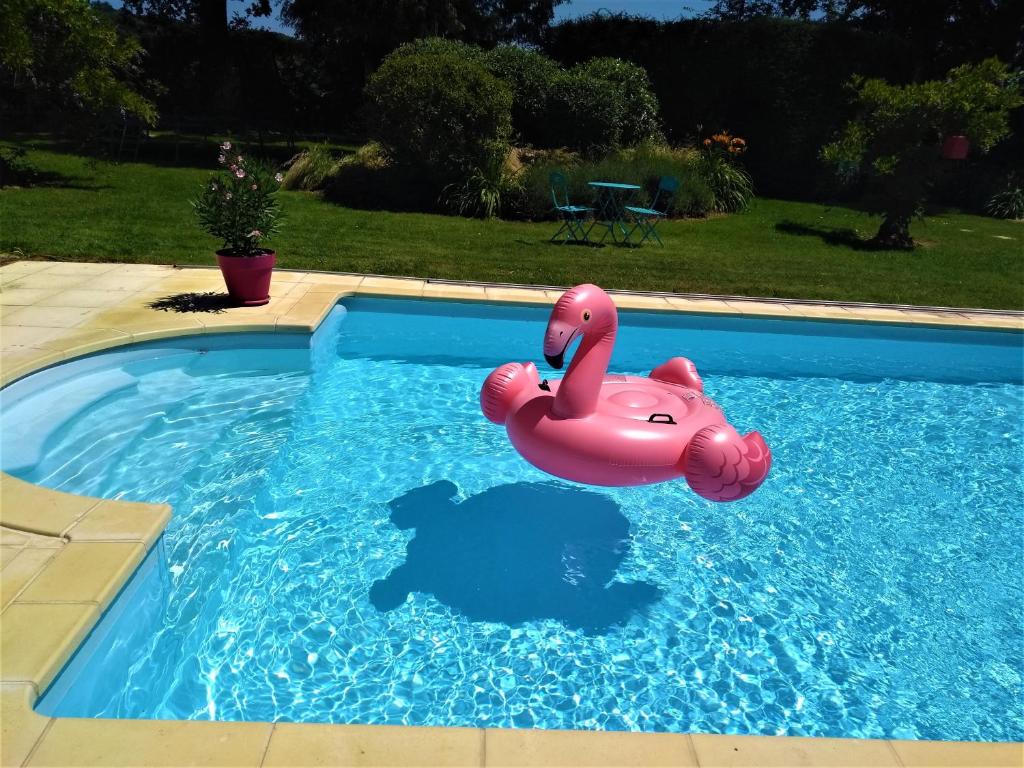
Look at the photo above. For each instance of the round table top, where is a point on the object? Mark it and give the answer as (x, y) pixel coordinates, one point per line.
(612, 185)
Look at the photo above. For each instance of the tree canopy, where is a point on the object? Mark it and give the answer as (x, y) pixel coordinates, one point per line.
(383, 25)
(947, 30)
(63, 54)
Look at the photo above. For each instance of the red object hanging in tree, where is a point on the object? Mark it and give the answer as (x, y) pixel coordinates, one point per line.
(955, 147)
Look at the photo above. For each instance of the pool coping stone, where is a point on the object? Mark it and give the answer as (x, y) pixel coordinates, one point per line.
(65, 557)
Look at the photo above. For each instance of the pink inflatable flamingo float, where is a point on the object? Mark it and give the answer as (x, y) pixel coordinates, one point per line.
(602, 429)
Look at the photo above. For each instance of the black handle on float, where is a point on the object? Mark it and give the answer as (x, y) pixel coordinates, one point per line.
(545, 386)
(655, 418)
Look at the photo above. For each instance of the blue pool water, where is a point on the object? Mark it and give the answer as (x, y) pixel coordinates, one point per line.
(352, 542)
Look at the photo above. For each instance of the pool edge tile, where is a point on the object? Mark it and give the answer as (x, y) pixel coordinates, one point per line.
(85, 572)
(761, 308)
(33, 508)
(454, 292)
(308, 312)
(37, 638)
(20, 726)
(113, 520)
(969, 754)
(531, 747)
(17, 575)
(96, 742)
(509, 295)
(392, 286)
(313, 744)
(727, 751)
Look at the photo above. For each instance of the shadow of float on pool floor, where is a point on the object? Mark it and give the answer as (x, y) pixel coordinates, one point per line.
(516, 553)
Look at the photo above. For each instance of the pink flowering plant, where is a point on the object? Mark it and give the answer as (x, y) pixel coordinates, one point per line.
(239, 205)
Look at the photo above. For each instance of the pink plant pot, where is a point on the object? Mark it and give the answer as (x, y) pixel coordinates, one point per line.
(247, 277)
(955, 147)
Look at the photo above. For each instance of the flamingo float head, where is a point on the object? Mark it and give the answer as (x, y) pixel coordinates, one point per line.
(585, 310)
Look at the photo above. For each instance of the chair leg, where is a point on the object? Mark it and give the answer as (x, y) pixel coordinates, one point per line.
(567, 228)
(644, 226)
(654, 231)
(638, 224)
(586, 234)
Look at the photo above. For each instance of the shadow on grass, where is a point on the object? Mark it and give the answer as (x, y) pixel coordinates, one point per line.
(27, 176)
(210, 301)
(162, 150)
(566, 243)
(838, 236)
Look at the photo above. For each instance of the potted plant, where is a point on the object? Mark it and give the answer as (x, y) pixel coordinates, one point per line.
(239, 206)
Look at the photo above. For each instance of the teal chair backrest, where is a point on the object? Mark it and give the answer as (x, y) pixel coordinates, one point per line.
(667, 188)
(559, 186)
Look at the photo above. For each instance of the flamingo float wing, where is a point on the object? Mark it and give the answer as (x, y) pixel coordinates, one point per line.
(722, 466)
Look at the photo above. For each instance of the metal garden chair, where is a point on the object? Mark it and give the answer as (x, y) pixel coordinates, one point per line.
(573, 217)
(646, 219)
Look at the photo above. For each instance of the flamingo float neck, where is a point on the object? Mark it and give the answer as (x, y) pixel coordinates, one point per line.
(585, 311)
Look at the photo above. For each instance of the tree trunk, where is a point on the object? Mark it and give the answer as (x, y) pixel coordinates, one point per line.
(213, 30)
(894, 234)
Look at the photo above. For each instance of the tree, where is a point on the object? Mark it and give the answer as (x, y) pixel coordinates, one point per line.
(63, 54)
(892, 145)
(350, 38)
(938, 33)
(211, 19)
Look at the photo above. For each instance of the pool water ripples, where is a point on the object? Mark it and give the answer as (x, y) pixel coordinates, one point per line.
(352, 542)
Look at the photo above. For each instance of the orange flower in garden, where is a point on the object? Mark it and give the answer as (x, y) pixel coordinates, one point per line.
(734, 145)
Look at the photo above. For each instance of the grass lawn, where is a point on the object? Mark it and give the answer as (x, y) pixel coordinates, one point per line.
(133, 212)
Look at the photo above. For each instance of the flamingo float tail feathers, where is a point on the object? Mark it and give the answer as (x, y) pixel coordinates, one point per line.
(720, 465)
(679, 370)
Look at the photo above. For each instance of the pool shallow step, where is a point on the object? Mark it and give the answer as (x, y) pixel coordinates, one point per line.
(26, 430)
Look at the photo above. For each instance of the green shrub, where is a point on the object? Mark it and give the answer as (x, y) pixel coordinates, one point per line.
(487, 191)
(638, 106)
(371, 154)
(368, 179)
(387, 188)
(440, 46)
(583, 114)
(529, 74)
(438, 111)
(1008, 203)
(595, 107)
(598, 106)
(14, 169)
(694, 199)
(729, 184)
(310, 170)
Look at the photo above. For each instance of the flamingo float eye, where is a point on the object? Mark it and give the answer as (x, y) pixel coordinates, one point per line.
(586, 315)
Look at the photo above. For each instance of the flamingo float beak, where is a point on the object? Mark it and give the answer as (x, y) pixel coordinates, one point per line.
(557, 339)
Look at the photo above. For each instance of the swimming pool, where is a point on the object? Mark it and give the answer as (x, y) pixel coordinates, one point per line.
(349, 542)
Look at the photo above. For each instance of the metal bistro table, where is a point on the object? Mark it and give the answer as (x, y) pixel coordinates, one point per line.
(611, 213)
